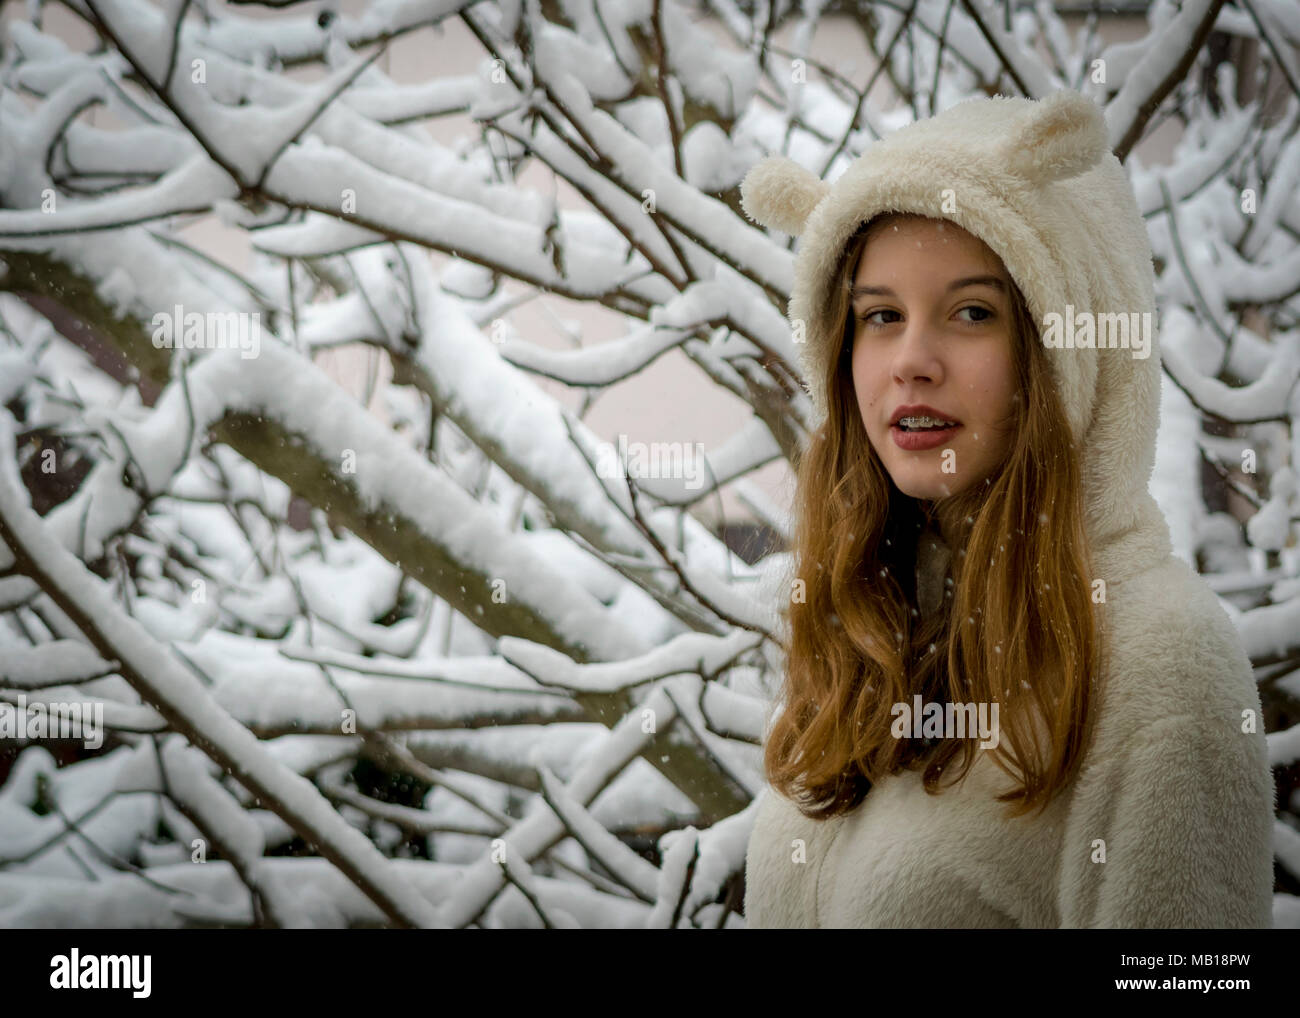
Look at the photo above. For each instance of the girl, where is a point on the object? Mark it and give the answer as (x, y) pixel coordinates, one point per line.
(1006, 702)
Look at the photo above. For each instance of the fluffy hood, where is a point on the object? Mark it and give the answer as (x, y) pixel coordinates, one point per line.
(1036, 182)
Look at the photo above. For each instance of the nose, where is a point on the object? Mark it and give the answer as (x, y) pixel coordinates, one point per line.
(916, 355)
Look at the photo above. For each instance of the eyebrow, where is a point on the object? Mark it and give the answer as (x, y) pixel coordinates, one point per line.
(883, 291)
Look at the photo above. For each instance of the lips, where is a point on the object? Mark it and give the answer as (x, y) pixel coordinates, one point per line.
(919, 441)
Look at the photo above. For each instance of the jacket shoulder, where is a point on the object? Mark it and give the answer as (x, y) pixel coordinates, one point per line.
(781, 863)
(1174, 650)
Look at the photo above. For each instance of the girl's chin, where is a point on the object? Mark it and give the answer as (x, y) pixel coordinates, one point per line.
(921, 482)
(927, 492)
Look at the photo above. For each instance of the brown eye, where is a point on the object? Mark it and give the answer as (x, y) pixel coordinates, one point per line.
(980, 308)
(867, 318)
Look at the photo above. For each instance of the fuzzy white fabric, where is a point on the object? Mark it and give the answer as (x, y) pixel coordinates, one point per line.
(1175, 794)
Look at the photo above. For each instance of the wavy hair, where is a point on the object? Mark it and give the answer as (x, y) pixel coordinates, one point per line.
(1016, 625)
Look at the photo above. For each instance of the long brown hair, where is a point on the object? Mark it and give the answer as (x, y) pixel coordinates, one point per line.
(1016, 627)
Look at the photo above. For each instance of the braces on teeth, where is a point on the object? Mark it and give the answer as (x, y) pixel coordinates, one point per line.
(924, 422)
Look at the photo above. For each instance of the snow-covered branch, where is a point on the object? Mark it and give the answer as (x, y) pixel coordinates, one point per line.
(184, 701)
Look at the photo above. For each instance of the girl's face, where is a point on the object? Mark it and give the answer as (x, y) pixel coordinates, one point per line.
(932, 328)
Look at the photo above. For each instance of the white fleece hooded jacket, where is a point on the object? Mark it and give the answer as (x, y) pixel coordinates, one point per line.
(1168, 823)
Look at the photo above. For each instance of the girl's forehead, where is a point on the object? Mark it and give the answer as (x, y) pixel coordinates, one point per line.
(950, 244)
(921, 229)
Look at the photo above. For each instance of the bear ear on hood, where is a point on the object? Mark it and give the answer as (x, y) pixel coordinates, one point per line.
(1063, 135)
(779, 193)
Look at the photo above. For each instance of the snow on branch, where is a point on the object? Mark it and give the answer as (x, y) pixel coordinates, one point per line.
(186, 777)
(627, 867)
(1170, 52)
(53, 663)
(389, 479)
(1030, 76)
(600, 365)
(699, 217)
(690, 653)
(184, 701)
(482, 881)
